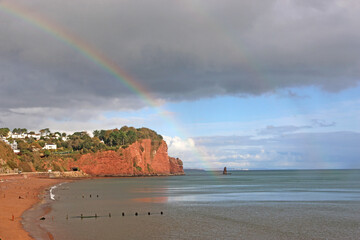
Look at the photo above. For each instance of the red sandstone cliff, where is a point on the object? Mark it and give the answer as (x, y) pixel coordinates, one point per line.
(137, 159)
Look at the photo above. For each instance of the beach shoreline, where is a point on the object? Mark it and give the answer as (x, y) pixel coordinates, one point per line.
(18, 194)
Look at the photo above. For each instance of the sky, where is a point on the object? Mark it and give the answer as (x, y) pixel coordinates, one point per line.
(245, 84)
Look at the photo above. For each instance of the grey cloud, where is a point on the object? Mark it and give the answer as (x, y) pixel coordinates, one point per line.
(278, 130)
(287, 129)
(181, 50)
(322, 123)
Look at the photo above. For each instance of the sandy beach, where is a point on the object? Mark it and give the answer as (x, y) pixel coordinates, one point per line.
(18, 193)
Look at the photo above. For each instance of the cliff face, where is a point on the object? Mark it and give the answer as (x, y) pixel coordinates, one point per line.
(140, 158)
(176, 166)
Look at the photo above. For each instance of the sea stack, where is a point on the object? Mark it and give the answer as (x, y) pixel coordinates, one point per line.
(225, 171)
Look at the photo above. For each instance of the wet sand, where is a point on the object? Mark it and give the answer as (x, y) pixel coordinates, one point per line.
(19, 193)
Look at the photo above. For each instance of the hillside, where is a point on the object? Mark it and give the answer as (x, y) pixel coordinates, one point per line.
(8, 159)
(117, 152)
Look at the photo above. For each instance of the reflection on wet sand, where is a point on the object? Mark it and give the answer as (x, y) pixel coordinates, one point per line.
(162, 191)
(152, 200)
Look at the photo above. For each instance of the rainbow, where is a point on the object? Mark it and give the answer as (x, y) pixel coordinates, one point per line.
(96, 57)
(81, 46)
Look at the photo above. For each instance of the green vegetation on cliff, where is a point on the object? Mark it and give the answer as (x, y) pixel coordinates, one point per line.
(33, 157)
(4, 132)
(126, 136)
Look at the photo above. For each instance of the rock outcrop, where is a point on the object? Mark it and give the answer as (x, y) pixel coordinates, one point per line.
(141, 158)
(176, 166)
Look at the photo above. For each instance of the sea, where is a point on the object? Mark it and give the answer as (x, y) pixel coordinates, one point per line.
(284, 204)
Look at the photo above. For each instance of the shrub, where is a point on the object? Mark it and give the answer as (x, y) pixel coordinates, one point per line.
(25, 167)
(12, 164)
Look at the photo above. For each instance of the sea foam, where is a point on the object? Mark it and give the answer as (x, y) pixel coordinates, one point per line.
(52, 196)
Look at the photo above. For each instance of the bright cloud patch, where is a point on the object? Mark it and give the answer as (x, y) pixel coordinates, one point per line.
(291, 151)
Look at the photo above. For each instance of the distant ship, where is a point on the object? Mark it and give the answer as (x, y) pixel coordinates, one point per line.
(225, 172)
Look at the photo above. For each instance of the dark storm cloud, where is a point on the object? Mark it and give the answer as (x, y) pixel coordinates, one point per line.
(178, 50)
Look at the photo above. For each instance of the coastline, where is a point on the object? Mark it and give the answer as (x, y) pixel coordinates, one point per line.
(19, 193)
(27, 197)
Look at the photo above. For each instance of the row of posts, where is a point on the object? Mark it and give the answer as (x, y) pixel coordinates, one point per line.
(122, 214)
(82, 216)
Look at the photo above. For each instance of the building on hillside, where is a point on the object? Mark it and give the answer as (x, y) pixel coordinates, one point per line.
(44, 134)
(14, 147)
(50, 146)
(35, 136)
(4, 140)
(18, 136)
(24, 135)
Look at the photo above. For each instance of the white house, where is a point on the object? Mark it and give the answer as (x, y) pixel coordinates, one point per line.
(50, 146)
(18, 136)
(35, 136)
(13, 146)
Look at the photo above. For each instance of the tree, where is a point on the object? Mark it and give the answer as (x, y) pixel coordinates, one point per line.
(131, 135)
(41, 143)
(45, 131)
(96, 133)
(47, 153)
(123, 137)
(23, 146)
(4, 132)
(16, 130)
(23, 130)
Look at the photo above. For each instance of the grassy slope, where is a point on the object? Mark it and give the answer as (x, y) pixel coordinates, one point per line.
(7, 155)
